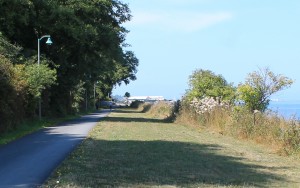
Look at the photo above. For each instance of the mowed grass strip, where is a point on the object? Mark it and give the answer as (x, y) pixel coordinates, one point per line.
(131, 149)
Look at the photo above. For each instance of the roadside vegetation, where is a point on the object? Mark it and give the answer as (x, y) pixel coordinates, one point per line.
(132, 148)
(87, 59)
(269, 129)
(242, 112)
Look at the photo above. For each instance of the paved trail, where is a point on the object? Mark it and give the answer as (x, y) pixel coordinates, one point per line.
(27, 162)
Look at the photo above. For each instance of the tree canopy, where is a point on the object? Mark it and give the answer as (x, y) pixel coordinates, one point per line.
(127, 94)
(259, 86)
(88, 52)
(205, 83)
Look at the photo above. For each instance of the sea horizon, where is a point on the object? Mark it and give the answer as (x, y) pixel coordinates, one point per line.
(287, 109)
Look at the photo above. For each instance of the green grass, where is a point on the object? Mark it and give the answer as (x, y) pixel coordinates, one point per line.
(131, 149)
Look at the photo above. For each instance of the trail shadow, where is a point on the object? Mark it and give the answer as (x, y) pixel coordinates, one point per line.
(131, 119)
(126, 110)
(145, 108)
(158, 163)
(89, 118)
(134, 119)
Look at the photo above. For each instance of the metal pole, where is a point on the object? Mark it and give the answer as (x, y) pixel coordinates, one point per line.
(38, 51)
(40, 101)
(86, 100)
(94, 94)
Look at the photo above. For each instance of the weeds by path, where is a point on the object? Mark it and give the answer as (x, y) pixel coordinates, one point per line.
(131, 149)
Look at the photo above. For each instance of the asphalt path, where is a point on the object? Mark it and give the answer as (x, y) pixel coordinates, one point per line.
(29, 161)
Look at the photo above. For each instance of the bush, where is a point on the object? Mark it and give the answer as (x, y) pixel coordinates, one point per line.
(268, 128)
(136, 104)
(291, 137)
(9, 107)
(164, 110)
(21, 84)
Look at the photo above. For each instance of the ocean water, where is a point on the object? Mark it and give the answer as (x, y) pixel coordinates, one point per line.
(286, 109)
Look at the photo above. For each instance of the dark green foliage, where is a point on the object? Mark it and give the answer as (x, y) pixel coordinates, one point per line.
(136, 104)
(20, 85)
(205, 83)
(127, 94)
(87, 54)
(11, 94)
(8, 96)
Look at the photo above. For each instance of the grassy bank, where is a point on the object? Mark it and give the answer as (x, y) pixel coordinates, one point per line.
(268, 129)
(134, 149)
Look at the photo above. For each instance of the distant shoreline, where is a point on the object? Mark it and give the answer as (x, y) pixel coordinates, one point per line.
(287, 109)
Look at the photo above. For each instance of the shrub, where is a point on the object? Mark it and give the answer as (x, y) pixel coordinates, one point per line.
(21, 84)
(268, 128)
(136, 104)
(259, 86)
(164, 110)
(9, 106)
(205, 83)
(188, 116)
(291, 137)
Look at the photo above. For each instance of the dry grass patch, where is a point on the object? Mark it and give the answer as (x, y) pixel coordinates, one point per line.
(269, 129)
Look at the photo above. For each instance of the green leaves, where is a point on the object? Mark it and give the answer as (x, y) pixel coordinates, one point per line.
(255, 93)
(204, 83)
(88, 48)
(21, 82)
(259, 86)
(39, 77)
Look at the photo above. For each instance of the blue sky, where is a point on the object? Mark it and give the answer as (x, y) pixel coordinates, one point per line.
(172, 38)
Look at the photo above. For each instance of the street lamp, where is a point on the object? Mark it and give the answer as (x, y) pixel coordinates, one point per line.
(49, 42)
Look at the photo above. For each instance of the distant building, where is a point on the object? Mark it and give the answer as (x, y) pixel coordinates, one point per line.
(145, 98)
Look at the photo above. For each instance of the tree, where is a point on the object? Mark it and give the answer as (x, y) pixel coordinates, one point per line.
(259, 86)
(204, 83)
(22, 82)
(9, 113)
(38, 77)
(127, 94)
(89, 42)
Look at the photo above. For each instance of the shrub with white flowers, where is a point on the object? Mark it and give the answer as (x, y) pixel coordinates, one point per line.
(207, 104)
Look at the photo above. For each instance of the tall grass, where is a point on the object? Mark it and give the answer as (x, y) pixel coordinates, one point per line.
(269, 128)
(163, 110)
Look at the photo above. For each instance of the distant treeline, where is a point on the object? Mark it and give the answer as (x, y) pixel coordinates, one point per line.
(86, 60)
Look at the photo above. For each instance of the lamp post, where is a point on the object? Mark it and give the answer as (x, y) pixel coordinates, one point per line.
(49, 42)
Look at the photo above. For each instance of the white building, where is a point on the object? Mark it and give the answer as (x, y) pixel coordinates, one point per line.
(146, 98)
